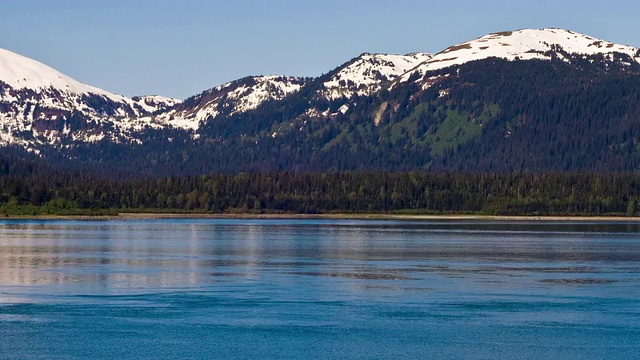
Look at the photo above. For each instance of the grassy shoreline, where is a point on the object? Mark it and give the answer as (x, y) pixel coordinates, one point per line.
(336, 216)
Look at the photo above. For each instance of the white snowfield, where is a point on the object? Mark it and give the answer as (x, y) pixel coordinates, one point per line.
(152, 103)
(525, 44)
(20, 72)
(244, 98)
(27, 83)
(367, 73)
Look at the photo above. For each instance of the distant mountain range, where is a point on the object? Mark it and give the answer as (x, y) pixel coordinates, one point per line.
(533, 100)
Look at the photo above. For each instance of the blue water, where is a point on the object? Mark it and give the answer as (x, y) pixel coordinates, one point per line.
(298, 289)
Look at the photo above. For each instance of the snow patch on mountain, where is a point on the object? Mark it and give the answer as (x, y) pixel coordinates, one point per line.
(525, 44)
(367, 73)
(37, 104)
(154, 103)
(20, 72)
(231, 98)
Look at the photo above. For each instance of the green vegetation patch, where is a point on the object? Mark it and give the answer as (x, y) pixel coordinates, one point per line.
(448, 127)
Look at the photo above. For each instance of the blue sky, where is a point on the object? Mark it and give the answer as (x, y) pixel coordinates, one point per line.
(180, 48)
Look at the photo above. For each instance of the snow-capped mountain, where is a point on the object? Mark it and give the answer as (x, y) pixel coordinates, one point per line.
(40, 106)
(367, 73)
(362, 76)
(37, 101)
(234, 97)
(524, 44)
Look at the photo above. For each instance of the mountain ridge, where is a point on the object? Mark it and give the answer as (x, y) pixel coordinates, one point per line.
(37, 99)
(376, 111)
(522, 44)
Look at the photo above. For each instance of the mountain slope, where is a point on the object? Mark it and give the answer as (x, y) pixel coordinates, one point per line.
(38, 103)
(365, 74)
(524, 44)
(19, 72)
(234, 97)
(554, 111)
(527, 100)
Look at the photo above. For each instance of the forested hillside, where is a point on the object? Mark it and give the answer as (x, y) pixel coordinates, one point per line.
(28, 188)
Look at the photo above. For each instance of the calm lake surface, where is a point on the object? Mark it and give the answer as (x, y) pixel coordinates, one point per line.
(281, 289)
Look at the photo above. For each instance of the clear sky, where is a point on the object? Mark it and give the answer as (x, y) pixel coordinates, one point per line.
(180, 48)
